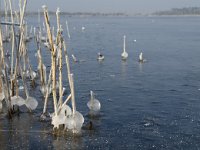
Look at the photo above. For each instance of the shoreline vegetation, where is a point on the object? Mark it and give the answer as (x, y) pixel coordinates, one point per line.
(187, 11)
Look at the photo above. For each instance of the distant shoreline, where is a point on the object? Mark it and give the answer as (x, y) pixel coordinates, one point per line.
(174, 12)
(88, 14)
(72, 14)
(106, 15)
(79, 14)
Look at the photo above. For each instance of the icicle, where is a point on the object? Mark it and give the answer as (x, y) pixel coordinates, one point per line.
(68, 30)
(124, 54)
(30, 102)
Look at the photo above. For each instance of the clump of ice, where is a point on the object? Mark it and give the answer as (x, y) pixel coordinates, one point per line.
(72, 122)
(21, 87)
(31, 103)
(66, 110)
(17, 100)
(75, 122)
(31, 74)
(44, 6)
(124, 55)
(1, 106)
(58, 120)
(93, 104)
(2, 96)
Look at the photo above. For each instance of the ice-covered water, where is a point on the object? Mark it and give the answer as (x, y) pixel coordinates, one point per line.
(153, 105)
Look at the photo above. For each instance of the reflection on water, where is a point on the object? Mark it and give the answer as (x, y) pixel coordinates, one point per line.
(124, 66)
(73, 142)
(140, 67)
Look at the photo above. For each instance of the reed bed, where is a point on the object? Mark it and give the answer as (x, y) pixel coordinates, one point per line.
(20, 70)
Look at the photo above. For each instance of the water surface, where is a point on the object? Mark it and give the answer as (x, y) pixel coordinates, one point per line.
(154, 105)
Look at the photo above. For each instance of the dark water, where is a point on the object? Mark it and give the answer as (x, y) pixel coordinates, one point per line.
(154, 105)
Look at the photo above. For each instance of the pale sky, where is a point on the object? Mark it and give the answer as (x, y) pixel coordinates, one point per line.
(125, 6)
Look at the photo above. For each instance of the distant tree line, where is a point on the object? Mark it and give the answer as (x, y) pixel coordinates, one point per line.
(180, 11)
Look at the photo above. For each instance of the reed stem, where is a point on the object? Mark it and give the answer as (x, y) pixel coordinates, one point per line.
(53, 59)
